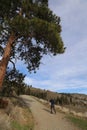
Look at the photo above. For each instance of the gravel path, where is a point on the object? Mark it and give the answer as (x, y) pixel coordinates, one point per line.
(44, 120)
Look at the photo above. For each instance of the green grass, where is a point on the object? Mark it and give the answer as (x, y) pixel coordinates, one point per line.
(81, 123)
(17, 126)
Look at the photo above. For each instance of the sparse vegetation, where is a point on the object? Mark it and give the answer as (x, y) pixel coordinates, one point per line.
(17, 126)
(16, 110)
(80, 122)
(16, 116)
(77, 102)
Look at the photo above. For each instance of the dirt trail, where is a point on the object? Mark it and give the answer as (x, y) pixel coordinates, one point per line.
(44, 120)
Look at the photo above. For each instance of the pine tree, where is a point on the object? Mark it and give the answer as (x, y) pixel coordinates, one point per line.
(28, 30)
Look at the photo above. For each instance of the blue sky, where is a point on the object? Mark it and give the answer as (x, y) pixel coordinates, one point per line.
(66, 72)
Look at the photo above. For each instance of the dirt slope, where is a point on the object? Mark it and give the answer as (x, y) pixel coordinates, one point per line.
(44, 120)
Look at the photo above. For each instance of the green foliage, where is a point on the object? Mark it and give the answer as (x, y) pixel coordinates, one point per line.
(13, 81)
(35, 27)
(63, 100)
(36, 92)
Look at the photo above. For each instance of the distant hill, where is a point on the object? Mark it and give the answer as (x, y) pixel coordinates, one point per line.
(78, 102)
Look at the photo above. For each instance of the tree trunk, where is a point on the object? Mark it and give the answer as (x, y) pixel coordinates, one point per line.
(5, 59)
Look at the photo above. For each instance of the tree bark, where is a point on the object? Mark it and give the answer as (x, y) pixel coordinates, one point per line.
(5, 59)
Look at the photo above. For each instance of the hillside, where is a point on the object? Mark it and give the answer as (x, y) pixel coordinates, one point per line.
(77, 102)
(16, 112)
(17, 115)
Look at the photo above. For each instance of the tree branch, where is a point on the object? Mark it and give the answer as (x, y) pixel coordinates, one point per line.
(13, 64)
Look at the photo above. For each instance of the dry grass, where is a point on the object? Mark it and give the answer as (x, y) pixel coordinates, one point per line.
(76, 108)
(16, 116)
(4, 122)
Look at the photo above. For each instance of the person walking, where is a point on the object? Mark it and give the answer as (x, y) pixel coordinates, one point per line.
(52, 106)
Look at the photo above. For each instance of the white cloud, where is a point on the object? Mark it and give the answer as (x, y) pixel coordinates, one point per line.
(28, 80)
(69, 70)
